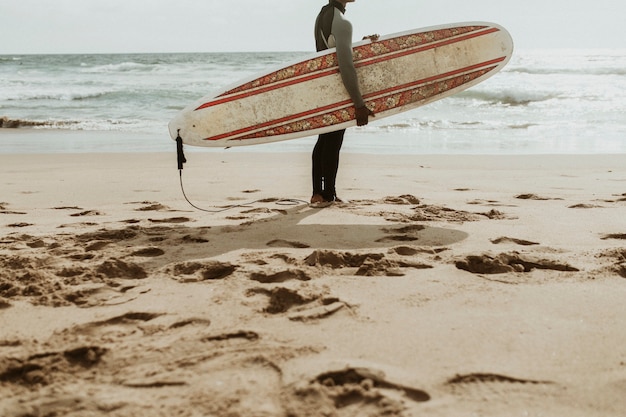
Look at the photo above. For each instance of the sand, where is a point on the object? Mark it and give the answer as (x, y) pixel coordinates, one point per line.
(444, 286)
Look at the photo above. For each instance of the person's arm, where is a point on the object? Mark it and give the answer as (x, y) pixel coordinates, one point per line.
(342, 31)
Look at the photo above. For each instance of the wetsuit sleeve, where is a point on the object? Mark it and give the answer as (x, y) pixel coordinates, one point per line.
(342, 31)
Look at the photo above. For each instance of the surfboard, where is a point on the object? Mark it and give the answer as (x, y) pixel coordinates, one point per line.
(397, 73)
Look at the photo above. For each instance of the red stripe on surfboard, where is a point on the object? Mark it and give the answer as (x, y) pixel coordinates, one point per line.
(348, 102)
(273, 122)
(370, 61)
(435, 78)
(361, 53)
(268, 88)
(419, 49)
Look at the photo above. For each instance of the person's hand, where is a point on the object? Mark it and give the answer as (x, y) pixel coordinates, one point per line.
(362, 115)
(372, 38)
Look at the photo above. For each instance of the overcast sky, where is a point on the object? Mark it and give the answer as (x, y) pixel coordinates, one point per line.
(108, 26)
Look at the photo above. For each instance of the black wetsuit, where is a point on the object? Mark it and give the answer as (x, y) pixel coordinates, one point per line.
(332, 30)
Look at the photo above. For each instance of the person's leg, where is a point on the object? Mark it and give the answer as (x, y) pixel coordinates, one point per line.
(330, 165)
(317, 163)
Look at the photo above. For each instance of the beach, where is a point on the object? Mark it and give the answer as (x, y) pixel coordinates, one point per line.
(443, 285)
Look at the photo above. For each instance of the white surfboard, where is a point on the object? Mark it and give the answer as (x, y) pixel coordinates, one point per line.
(397, 73)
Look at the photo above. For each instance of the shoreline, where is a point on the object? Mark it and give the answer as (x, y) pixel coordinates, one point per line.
(446, 285)
(384, 142)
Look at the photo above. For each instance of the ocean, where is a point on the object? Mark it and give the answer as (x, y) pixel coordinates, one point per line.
(543, 102)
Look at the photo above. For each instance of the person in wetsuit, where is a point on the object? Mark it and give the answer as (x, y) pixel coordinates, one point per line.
(332, 30)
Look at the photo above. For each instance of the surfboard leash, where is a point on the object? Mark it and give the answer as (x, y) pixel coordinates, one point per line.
(181, 160)
(180, 156)
(179, 152)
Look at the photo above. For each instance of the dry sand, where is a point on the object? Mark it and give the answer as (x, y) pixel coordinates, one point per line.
(447, 286)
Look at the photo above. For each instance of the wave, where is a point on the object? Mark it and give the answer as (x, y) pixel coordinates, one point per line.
(6, 123)
(510, 97)
(90, 124)
(64, 95)
(58, 97)
(569, 62)
(584, 71)
(522, 126)
(433, 123)
(120, 67)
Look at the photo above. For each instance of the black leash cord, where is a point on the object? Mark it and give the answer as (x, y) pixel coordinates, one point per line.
(181, 160)
(281, 202)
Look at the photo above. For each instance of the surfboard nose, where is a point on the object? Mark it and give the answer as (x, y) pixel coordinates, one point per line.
(178, 128)
(174, 127)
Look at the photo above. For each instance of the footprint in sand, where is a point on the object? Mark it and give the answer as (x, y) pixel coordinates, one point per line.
(57, 276)
(520, 242)
(36, 243)
(197, 271)
(622, 199)
(151, 252)
(299, 307)
(485, 378)
(115, 235)
(151, 206)
(375, 378)
(97, 245)
(43, 368)
(87, 213)
(366, 264)
(260, 210)
(194, 321)
(506, 263)
(271, 277)
(531, 196)
(618, 259)
(238, 218)
(281, 243)
(280, 300)
(616, 236)
(193, 239)
(481, 387)
(403, 200)
(4, 210)
(117, 268)
(244, 335)
(362, 391)
(119, 326)
(19, 225)
(584, 206)
(416, 250)
(171, 220)
(429, 213)
(489, 203)
(92, 295)
(337, 260)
